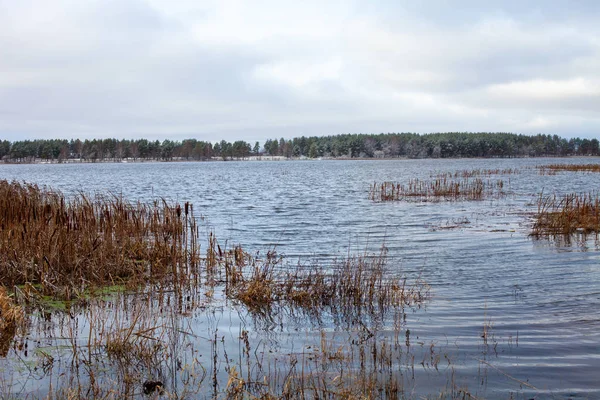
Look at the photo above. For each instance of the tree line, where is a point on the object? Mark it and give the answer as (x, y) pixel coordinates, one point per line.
(389, 145)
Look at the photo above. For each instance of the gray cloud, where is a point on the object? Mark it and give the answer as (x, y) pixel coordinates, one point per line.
(255, 70)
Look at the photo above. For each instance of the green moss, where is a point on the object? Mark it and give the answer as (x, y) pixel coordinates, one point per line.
(104, 292)
(50, 303)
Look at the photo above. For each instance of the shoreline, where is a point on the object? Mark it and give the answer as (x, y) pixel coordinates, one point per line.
(268, 159)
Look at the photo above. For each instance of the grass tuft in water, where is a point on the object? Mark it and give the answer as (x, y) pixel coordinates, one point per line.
(572, 213)
(470, 173)
(553, 169)
(437, 190)
(359, 282)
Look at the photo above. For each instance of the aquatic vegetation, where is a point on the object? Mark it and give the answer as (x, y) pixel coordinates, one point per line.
(359, 282)
(276, 351)
(109, 287)
(572, 213)
(66, 246)
(553, 169)
(121, 346)
(332, 368)
(455, 223)
(437, 190)
(470, 173)
(142, 344)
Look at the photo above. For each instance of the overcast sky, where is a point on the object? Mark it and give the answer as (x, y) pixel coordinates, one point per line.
(252, 70)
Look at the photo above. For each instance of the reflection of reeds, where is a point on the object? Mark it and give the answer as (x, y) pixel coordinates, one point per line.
(378, 367)
(553, 169)
(127, 347)
(435, 190)
(331, 370)
(567, 215)
(65, 246)
(130, 342)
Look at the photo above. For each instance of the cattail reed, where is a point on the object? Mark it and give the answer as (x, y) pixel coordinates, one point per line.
(65, 245)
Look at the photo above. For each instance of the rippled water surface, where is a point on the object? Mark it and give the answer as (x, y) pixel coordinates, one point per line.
(539, 301)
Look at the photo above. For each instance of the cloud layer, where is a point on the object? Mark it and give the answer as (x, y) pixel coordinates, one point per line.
(232, 69)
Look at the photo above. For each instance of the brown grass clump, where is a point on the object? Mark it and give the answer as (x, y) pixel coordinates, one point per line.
(357, 283)
(436, 190)
(553, 169)
(570, 214)
(11, 317)
(65, 246)
(466, 173)
(257, 288)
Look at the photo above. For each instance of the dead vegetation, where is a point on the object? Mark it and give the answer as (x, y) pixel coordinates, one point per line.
(126, 348)
(563, 216)
(553, 169)
(65, 246)
(359, 282)
(437, 190)
(11, 320)
(370, 369)
(470, 173)
(52, 247)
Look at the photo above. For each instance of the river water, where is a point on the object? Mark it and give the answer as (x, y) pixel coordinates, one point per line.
(538, 300)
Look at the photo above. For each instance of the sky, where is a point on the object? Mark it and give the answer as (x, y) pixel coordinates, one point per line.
(259, 69)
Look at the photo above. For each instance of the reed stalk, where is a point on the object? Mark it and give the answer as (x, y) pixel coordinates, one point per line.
(566, 215)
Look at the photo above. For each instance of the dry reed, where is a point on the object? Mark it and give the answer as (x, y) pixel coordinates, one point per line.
(573, 213)
(466, 173)
(377, 367)
(356, 283)
(62, 248)
(436, 190)
(11, 318)
(66, 246)
(553, 169)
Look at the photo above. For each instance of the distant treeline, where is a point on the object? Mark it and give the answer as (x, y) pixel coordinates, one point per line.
(390, 145)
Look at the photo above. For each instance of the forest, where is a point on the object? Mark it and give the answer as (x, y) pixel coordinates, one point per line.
(384, 145)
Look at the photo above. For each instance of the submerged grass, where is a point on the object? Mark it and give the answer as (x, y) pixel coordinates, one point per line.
(437, 190)
(563, 216)
(332, 369)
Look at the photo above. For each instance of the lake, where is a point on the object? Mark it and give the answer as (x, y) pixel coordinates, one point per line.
(509, 315)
